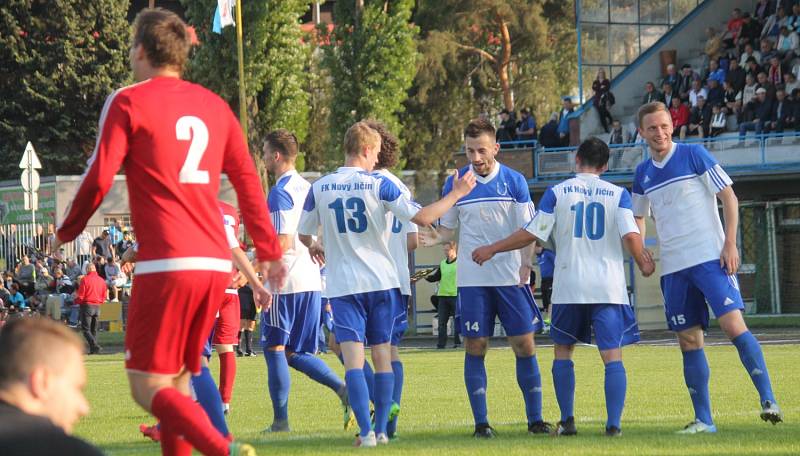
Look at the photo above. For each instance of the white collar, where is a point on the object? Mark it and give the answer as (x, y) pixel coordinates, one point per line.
(663, 162)
(587, 175)
(287, 173)
(492, 174)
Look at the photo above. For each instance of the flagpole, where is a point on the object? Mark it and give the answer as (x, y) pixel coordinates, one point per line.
(240, 47)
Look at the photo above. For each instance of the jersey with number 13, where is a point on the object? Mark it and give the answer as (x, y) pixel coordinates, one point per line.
(352, 205)
(174, 139)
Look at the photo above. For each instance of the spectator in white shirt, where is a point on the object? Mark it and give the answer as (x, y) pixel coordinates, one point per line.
(115, 278)
(697, 91)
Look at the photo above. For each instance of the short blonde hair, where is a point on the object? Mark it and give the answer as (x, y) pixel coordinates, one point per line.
(359, 136)
(650, 108)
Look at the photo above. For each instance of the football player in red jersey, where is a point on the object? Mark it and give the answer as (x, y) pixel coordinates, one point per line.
(175, 139)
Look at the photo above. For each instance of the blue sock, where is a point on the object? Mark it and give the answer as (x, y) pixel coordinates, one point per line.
(369, 376)
(384, 386)
(397, 369)
(529, 380)
(359, 398)
(616, 384)
(696, 374)
(208, 396)
(475, 380)
(317, 370)
(753, 359)
(564, 384)
(279, 382)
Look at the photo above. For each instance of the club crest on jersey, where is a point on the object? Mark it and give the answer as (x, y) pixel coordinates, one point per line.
(504, 191)
(646, 179)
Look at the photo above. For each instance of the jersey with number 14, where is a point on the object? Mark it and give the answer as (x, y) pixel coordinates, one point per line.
(586, 216)
(352, 207)
(174, 139)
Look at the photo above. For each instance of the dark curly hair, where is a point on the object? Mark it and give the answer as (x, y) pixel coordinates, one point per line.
(388, 156)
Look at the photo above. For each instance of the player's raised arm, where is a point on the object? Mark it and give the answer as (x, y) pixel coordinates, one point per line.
(461, 188)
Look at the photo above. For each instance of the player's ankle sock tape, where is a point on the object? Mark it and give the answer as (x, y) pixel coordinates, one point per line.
(475, 381)
(227, 375)
(753, 360)
(316, 369)
(696, 375)
(529, 380)
(616, 384)
(358, 395)
(209, 398)
(181, 415)
(384, 386)
(564, 385)
(369, 377)
(279, 382)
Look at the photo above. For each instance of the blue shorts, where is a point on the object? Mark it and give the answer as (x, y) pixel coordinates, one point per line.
(326, 317)
(401, 325)
(687, 291)
(614, 324)
(477, 308)
(371, 317)
(207, 347)
(292, 321)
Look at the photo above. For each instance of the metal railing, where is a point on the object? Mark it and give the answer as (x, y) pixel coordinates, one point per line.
(762, 152)
(17, 240)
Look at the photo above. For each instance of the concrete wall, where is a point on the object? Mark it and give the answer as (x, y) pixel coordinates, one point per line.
(689, 43)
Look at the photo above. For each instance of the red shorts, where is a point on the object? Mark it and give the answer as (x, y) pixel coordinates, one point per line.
(227, 330)
(170, 315)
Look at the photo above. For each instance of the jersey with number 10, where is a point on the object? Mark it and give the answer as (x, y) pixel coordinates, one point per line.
(174, 139)
(587, 216)
(352, 207)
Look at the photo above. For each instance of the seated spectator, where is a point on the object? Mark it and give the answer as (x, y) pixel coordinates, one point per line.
(127, 239)
(699, 119)
(16, 300)
(719, 121)
(697, 91)
(762, 109)
(747, 54)
(73, 270)
(673, 79)
(790, 82)
(548, 135)
(687, 76)
(782, 115)
(680, 118)
(767, 51)
(773, 24)
(734, 27)
(749, 91)
(667, 94)
(618, 135)
(715, 72)
(26, 275)
(736, 75)
(526, 131)
(793, 21)
(787, 45)
(714, 46)
(651, 94)
(764, 83)
(64, 283)
(42, 378)
(752, 68)
(4, 294)
(775, 71)
(716, 94)
(115, 278)
(732, 99)
(750, 31)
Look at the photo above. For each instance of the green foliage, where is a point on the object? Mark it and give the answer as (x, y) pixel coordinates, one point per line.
(320, 90)
(458, 76)
(60, 60)
(275, 59)
(371, 57)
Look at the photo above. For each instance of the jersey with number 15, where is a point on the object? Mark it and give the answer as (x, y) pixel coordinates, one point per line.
(587, 216)
(174, 139)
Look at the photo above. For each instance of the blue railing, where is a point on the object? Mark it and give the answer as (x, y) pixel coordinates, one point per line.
(752, 154)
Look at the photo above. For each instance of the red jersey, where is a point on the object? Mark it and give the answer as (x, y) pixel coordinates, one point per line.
(92, 290)
(174, 139)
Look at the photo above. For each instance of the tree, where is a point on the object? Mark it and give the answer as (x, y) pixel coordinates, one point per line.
(275, 63)
(60, 60)
(371, 56)
(482, 55)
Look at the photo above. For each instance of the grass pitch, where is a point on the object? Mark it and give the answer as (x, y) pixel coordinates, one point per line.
(436, 417)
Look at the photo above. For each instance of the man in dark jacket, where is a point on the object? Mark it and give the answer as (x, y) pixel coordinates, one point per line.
(548, 135)
(762, 107)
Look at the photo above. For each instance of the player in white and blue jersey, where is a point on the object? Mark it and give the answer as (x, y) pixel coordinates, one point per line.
(290, 328)
(679, 186)
(586, 217)
(401, 239)
(498, 205)
(351, 205)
